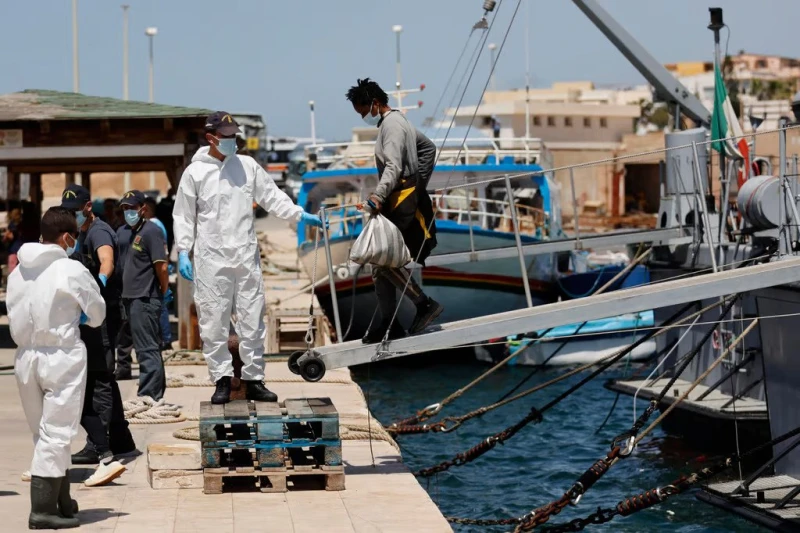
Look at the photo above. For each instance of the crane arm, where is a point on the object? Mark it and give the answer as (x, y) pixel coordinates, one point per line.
(667, 87)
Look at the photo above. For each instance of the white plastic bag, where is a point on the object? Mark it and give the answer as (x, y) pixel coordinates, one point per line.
(380, 244)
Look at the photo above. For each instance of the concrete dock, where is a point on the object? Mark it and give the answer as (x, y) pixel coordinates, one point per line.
(380, 496)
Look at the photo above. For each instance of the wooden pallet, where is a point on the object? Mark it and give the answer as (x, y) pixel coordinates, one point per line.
(286, 330)
(260, 435)
(246, 422)
(219, 480)
(328, 453)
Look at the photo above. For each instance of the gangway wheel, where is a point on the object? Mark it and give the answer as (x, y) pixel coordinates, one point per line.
(312, 369)
(294, 366)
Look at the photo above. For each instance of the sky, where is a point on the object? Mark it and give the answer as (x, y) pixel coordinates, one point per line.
(271, 57)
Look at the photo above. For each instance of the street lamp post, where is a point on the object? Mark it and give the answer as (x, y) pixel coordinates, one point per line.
(75, 74)
(125, 94)
(151, 32)
(125, 8)
(398, 29)
(313, 123)
(492, 47)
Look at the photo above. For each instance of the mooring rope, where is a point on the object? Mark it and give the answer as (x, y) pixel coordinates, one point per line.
(145, 410)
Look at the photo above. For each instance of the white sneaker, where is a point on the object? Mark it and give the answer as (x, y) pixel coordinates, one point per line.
(26, 475)
(105, 473)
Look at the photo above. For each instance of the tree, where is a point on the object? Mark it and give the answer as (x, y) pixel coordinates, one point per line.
(655, 113)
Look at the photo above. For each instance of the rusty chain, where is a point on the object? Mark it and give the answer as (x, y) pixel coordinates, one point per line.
(632, 504)
(626, 507)
(484, 446)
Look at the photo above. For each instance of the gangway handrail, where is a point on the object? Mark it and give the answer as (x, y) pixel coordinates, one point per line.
(642, 298)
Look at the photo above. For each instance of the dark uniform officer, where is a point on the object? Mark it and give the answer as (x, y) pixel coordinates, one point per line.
(124, 339)
(103, 416)
(145, 286)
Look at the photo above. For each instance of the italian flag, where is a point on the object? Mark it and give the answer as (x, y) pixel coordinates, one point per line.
(724, 123)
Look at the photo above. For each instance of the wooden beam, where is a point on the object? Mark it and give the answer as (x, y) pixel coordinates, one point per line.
(59, 166)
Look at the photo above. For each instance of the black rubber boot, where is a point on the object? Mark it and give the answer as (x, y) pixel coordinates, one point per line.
(223, 392)
(426, 313)
(87, 456)
(375, 333)
(45, 492)
(67, 507)
(256, 391)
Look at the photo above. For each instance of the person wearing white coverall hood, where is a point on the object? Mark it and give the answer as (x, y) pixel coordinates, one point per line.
(49, 295)
(213, 215)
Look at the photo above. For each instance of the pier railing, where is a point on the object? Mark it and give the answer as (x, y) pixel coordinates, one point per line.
(472, 151)
(686, 214)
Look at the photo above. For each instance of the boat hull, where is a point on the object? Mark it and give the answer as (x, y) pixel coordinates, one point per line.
(575, 352)
(466, 290)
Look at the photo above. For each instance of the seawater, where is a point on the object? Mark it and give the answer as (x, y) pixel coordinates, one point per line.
(543, 460)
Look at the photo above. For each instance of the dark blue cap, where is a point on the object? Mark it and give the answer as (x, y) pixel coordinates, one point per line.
(133, 197)
(222, 123)
(75, 197)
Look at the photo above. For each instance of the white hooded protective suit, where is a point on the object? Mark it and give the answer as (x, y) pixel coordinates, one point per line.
(46, 294)
(214, 215)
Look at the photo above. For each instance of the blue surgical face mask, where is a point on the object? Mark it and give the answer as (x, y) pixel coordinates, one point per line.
(80, 218)
(132, 217)
(227, 147)
(371, 120)
(70, 249)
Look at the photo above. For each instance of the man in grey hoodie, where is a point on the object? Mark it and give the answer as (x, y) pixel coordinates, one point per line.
(404, 158)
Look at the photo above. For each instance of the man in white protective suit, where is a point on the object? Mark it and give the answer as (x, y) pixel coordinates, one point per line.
(49, 295)
(213, 215)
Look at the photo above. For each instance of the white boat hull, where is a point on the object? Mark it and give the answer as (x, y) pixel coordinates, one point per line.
(465, 290)
(576, 352)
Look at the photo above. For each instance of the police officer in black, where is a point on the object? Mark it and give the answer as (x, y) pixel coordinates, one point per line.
(145, 288)
(103, 415)
(124, 338)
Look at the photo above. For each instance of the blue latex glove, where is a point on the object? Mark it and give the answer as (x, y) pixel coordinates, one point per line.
(103, 279)
(313, 220)
(168, 296)
(185, 266)
(84, 318)
(171, 268)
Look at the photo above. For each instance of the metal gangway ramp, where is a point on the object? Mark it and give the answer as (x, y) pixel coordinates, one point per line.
(313, 364)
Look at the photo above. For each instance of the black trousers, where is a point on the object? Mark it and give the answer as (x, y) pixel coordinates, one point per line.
(124, 345)
(103, 415)
(388, 282)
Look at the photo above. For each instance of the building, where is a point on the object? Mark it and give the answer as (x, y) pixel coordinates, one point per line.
(578, 123)
(765, 85)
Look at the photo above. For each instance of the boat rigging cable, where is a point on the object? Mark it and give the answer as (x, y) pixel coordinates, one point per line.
(536, 415)
(620, 278)
(450, 79)
(488, 6)
(402, 426)
(542, 514)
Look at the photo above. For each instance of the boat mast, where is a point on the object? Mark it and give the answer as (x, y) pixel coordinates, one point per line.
(527, 74)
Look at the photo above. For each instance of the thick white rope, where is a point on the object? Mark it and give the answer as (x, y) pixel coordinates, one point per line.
(145, 410)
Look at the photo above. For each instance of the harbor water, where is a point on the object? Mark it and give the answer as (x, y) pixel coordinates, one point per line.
(542, 461)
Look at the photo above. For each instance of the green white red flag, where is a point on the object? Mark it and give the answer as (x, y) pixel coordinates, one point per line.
(724, 123)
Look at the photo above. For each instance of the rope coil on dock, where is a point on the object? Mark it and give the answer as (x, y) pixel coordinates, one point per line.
(145, 410)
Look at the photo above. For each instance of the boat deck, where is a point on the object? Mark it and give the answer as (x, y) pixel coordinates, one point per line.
(716, 405)
(759, 505)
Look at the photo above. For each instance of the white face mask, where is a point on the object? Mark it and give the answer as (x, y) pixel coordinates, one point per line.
(226, 146)
(371, 120)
